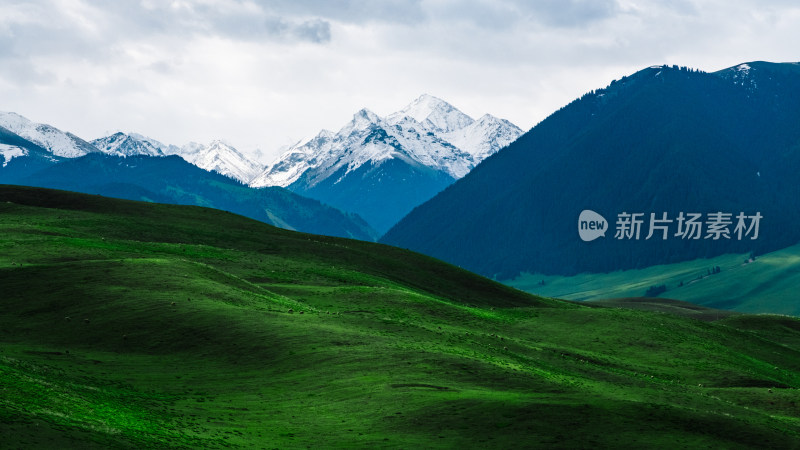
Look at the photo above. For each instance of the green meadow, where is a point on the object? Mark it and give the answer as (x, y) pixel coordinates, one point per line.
(767, 284)
(136, 325)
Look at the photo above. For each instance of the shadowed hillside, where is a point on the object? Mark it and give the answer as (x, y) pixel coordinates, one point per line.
(138, 325)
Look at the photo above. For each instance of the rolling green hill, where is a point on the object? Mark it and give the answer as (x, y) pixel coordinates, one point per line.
(128, 324)
(767, 284)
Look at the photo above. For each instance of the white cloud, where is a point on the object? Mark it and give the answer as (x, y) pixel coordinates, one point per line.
(261, 74)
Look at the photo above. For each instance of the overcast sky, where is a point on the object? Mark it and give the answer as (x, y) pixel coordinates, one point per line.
(263, 74)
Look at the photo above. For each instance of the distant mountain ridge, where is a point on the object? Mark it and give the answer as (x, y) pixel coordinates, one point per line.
(665, 139)
(135, 167)
(217, 156)
(53, 140)
(382, 167)
(121, 144)
(378, 168)
(170, 179)
(21, 156)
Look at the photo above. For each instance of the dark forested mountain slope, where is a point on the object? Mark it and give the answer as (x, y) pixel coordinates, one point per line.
(665, 139)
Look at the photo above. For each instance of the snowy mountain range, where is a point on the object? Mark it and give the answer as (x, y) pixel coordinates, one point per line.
(121, 144)
(217, 156)
(377, 167)
(382, 167)
(429, 131)
(220, 157)
(50, 138)
(484, 137)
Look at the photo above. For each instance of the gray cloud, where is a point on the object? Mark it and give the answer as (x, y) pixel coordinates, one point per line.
(508, 14)
(28, 32)
(318, 31)
(569, 13)
(353, 11)
(36, 35)
(131, 62)
(6, 44)
(163, 67)
(24, 73)
(19, 70)
(49, 26)
(252, 21)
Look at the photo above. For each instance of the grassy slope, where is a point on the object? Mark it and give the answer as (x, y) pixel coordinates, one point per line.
(668, 306)
(392, 349)
(769, 284)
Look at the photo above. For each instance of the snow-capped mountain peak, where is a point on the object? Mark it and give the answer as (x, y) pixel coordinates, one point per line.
(296, 160)
(416, 134)
(188, 149)
(165, 149)
(435, 113)
(218, 156)
(52, 139)
(484, 137)
(363, 118)
(222, 158)
(323, 134)
(121, 144)
(382, 167)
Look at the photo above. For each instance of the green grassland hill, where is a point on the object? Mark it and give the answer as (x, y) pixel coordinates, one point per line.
(741, 282)
(140, 325)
